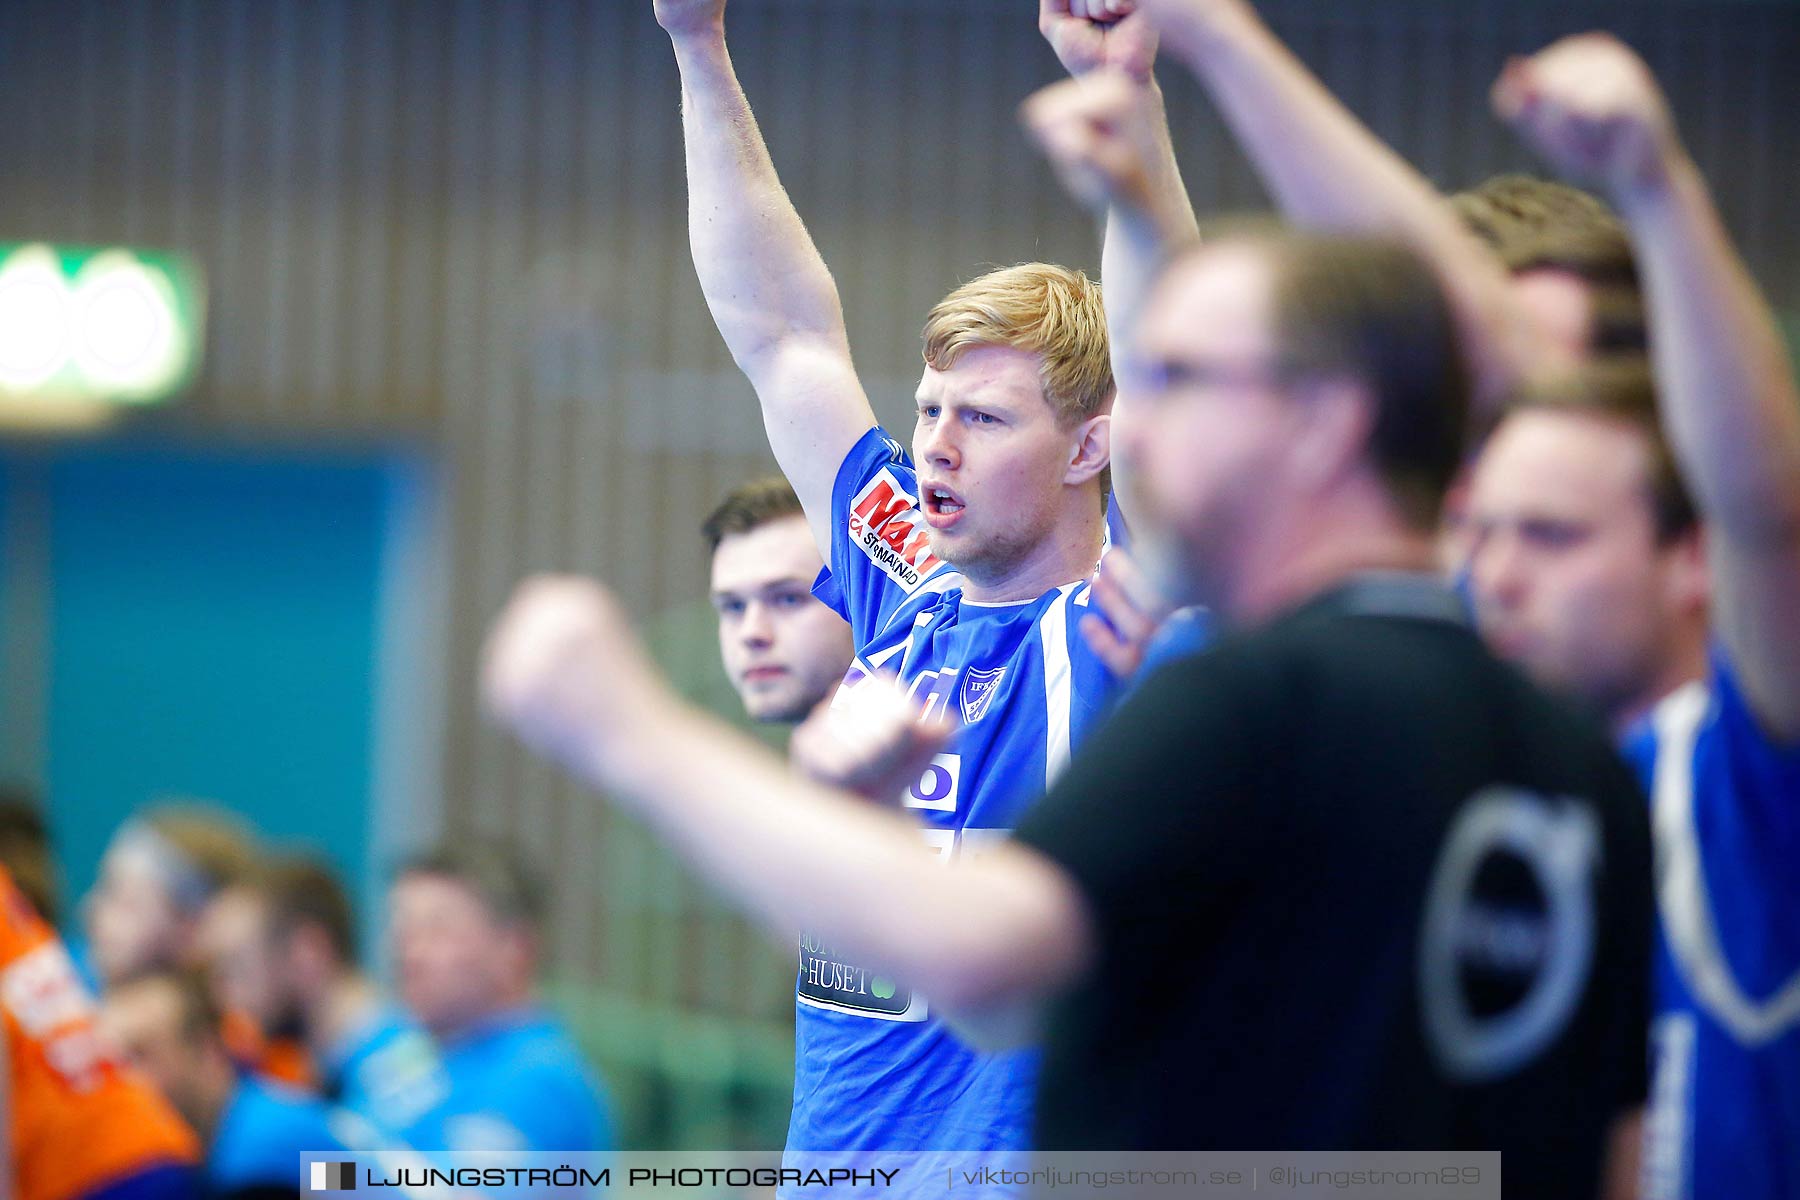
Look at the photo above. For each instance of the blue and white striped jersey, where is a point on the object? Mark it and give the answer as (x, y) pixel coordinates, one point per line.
(1724, 1116)
(873, 1068)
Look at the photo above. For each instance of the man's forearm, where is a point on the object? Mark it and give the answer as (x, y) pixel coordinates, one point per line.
(762, 275)
(1732, 416)
(769, 291)
(977, 934)
(1140, 237)
(1727, 387)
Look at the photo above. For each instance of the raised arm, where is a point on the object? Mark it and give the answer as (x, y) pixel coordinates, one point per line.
(1730, 407)
(1137, 187)
(1325, 170)
(769, 291)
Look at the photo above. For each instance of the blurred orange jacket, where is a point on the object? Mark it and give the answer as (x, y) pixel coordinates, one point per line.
(79, 1121)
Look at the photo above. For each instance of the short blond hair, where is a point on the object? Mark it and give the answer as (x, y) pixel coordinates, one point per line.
(1041, 308)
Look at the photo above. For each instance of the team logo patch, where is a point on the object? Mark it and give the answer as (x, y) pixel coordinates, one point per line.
(978, 692)
(885, 523)
(1508, 939)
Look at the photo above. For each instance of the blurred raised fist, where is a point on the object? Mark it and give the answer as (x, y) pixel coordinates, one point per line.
(1090, 34)
(1099, 133)
(871, 740)
(564, 672)
(690, 16)
(1592, 109)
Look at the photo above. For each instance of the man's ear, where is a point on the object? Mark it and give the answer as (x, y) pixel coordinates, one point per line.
(1091, 450)
(1335, 418)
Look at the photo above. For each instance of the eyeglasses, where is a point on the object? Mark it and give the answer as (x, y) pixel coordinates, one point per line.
(1196, 374)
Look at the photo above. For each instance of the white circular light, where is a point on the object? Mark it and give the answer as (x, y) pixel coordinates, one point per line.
(35, 319)
(130, 342)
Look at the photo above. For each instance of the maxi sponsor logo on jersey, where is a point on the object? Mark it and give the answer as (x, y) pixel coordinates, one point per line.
(885, 522)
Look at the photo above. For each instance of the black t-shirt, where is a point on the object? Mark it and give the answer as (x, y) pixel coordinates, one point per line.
(1356, 885)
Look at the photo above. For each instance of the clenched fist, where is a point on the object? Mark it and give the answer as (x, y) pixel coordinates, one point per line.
(1099, 133)
(871, 740)
(563, 670)
(1590, 106)
(1090, 34)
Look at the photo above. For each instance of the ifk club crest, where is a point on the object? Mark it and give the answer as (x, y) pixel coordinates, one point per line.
(978, 691)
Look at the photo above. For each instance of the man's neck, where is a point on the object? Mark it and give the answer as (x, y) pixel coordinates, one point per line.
(1333, 546)
(1686, 664)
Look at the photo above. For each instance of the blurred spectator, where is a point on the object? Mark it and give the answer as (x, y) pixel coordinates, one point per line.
(158, 874)
(281, 947)
(466, 939)
(77, 1125)
(254, 1130)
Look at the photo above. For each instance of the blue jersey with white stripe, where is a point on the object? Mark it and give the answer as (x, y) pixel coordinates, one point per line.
(1724, 1116)
(873, 1068)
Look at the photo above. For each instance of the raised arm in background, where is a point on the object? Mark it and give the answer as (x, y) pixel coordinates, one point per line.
(1725, 384)
(767, 287)
(1325, 170)
(1111, 52)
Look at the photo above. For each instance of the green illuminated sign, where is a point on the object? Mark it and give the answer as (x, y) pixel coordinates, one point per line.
(103, 323)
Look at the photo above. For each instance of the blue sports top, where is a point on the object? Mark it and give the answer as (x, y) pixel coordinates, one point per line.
(1724, 1115)
(873, 1068)
(262, 1133)
(516, 1082)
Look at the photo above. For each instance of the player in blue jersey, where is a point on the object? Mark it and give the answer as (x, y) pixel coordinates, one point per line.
(962, 568)
(1685, 633)
(281, 948)
(465, 927)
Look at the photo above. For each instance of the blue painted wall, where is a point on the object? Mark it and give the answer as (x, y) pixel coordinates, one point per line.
(213, 623)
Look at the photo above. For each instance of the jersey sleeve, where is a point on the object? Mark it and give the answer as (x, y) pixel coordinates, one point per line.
(880, 544)
(1159, 803)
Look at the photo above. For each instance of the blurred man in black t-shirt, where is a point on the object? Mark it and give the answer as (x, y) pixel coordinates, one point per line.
(1352, 880)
